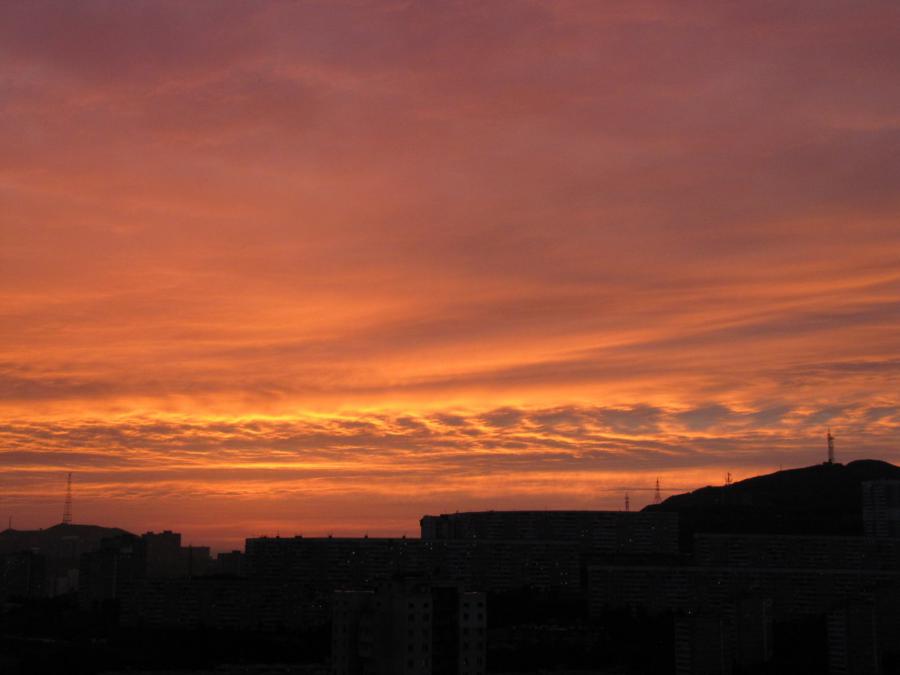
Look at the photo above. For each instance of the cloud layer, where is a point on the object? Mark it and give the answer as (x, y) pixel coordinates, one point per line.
(323, 266)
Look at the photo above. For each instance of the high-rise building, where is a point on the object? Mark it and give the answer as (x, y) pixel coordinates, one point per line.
(852, 635)
(881, 508)
(624, 532)
(112, 570)
(230, 562)
(22, 574)
(164, 558)
(407, 627)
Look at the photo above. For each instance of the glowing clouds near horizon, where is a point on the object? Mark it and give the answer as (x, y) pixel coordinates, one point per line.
(326, 266)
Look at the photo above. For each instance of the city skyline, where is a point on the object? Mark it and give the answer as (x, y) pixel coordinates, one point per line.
(628, 503)
(793, 569)
(324, 267)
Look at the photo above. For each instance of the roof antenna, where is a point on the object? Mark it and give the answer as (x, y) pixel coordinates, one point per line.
(67, 509)
(830, 446)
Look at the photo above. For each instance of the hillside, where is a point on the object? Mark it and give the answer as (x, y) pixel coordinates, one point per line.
(821, 499)
(58, 540)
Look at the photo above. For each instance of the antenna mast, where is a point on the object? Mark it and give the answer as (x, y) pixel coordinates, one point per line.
(627, 503)
(830, 446)
(67, 510)
(657, 497)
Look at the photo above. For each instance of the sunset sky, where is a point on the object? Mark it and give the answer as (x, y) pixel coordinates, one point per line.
(323, 266)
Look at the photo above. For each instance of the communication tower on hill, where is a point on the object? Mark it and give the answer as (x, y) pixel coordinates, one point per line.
(627, 503)
(67, 509)
(657, 496)
(830, 439)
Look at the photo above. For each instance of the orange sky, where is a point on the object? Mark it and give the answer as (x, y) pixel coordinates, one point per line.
(326, 266)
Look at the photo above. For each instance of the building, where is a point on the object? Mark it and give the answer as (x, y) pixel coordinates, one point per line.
(408, 627)
(23, 574)
(702, 646)
(754, 636)
(164, 557)
(796, 551)
(196, 560)
(123, 561)
(852, 634)
(794, 592)
(106, 574)
(472, 636)
(230, 562)
(881, 508)
(621, 532)
(229, 603)
(362, 563)
(748, 601)
(60, 547)
(168, 559)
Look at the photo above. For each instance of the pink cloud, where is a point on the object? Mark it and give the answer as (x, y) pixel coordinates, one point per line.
(521, 239)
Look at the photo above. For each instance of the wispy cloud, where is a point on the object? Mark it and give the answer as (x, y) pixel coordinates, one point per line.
(339, 250)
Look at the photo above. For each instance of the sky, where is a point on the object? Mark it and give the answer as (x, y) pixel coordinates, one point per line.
(324, 267)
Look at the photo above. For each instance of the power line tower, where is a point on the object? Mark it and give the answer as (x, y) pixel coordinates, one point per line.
(67, 509)
(657, 496)
(830, 439)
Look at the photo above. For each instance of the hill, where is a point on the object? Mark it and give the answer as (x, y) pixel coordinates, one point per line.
(821, 499)
(63, 540)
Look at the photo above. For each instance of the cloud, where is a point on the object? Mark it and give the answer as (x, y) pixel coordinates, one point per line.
(536, 250)
(704, 417)
(502, 417)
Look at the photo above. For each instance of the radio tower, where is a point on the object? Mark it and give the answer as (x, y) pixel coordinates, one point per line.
(627, 503)
(67, 509)
(657, 497)
(830, 446)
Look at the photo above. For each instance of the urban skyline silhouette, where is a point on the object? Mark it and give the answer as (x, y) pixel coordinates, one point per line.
(403, 337)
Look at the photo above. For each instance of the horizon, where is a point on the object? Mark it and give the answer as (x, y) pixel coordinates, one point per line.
(328, 266)
(636, 506)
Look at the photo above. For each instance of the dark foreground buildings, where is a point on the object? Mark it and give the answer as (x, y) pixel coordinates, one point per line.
(407, 627)
(742, 579)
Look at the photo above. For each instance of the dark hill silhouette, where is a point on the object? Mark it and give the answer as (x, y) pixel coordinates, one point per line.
(821, 499)
(58, 540)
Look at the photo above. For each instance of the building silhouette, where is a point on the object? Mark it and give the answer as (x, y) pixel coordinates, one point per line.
(881, 508)
(599, 531)
(407, 627)
(748, 578)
